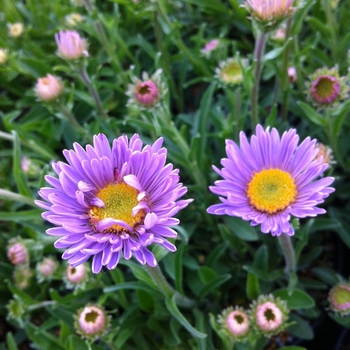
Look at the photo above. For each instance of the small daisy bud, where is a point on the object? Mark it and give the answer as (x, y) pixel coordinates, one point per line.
(325, 153)
(146, 93)
(269, 315)
(70, 45)
(234, 323)
(269, 13)
(3, 56)
(210, 46)
(326, 88)
(339, 298)
(73, 19)
(46, 269)
(15, 30)
(17, 253)
(48, 88)
(92, 322)
(279, 35)
(15, 309)
(230, 72)
(22, 276)
(76, 277)
(292, 75)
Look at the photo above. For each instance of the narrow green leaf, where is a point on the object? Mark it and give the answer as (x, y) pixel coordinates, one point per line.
(132, 285)
(297, 300)
(19, 216)
(173, 309)
(342, 320)
(300, 328)
(10, 341)
(326, 275)
(42, 339)
(18, 173)
(241, 228)
(178, 267)
(312, 115)
(206, 274)
(253, 287)
(213, 284)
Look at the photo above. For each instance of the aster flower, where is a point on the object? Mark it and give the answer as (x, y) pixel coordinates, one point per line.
(70, 45)
(15, 30)
(230, 71)
(146, 93)
(326, 88)
(271, 179)
(92, 322)
(269, 13)
(269, 315)
(339, 298)
(48, 88)
(234, 323)
(109, 203)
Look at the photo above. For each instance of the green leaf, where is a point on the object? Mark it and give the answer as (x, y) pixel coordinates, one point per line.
(42, 339)
(19, 216)
(33, 67)
(206, 274)
(139, 272)
(263, 275)
(261, 258)
(173, 309)
(312, 115)
(253, 287)
(344, 233)
(178, 267)
(300, 328)
(241, 229)
(292, 347)
(297, 300)
(18, 173)
(326, 275)
(209, 6)
(10, 341)
(213, 284)
(342, 320)
(132, 285)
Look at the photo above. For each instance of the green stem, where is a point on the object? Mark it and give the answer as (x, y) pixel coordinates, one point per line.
(87, 82)
(40, 305)
(6, 136)
(71, 118)
(5, 194)
(284, 72)
(166, 289)
(260, 44)
(331, 27)
(288, 252)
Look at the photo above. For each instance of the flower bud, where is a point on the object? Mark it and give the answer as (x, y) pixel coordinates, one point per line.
(3, 56)
(235, 322)
(17, 253)
(22, 275)
(230, 72)
(70, 45)
(210, 46)
(73, 19)
(292, 75)
(46, 269)
(339, 298)
(48, 88)
(92, 322)
(76, 277)
(15, 30)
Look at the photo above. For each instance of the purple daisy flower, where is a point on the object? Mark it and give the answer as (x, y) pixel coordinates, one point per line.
(113, 202)
(270, 179)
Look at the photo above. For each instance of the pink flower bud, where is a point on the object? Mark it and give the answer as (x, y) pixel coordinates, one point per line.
(48, 88)
(237, 323)
(70, 45)
(339, 298)
(211, 45)
(147, 93)
(292, 75)
(268, 317)
(18, 254)
(76, 274)
(325, 89)
(47, 267)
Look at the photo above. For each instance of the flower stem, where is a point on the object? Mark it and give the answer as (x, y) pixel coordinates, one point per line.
(260, 44)
(288, 252)
(284, 72)
(71, 119)
(166, 289)
(87, 82)
(40, 305)
(4, 194)
(6, 136)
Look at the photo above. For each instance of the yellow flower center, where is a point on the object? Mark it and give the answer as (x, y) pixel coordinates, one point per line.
(325, 87)
(119, 200)
(232, 73)
(271, 190)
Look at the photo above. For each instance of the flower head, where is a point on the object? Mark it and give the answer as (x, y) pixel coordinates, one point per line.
(15, 30)
(270, 180)
(113, 202)
(15, 309)
(279, 35)
(76, 277)
(3, 55)
(70, 45)
(48, 88)
(92, 322)
(146, 93)
(73, 19)
(326, 88)
(230, 71)
(339, 298)
(292, 75)
(269, 13)
(324, 153)
(234, 322)
(46, 269)
(17, 252)
(269, 315)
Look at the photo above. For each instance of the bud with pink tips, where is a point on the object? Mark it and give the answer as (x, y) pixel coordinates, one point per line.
(46, 269)
(292, 75)
(235, 322)
(76, 277)
(70, 45)
(17, 252)
(48, 88)
(92, 322)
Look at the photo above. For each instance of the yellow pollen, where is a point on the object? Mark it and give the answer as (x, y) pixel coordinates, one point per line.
(271, 190)
(119, 200)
